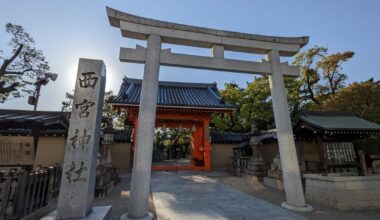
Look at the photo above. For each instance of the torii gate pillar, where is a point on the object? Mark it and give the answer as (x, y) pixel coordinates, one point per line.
(289, 162)
(142, 164)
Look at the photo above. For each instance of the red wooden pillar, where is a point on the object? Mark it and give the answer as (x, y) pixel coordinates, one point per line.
(206, 145)
(197, 151)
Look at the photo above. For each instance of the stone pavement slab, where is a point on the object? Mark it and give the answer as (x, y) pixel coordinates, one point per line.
(193, 195)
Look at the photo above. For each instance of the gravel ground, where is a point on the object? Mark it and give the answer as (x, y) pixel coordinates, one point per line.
(276, 197)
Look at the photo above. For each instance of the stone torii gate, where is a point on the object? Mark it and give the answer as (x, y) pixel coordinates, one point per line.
(158, 32)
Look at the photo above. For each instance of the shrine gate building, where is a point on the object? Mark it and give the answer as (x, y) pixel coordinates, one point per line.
(179, 105)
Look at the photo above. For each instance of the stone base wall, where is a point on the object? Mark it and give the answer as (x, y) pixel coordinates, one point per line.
(344, 193)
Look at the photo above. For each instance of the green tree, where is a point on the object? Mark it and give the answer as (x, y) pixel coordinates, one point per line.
(321, 73)
(234, 95)
(22, 66)
(254, 104)
(359, 97)
(170, 143)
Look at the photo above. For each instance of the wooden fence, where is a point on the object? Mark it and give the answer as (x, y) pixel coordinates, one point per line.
(239, 164)
(23, 193)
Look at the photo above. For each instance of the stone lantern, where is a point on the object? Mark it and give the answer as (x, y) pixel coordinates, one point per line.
(256, 165)
(108, 140)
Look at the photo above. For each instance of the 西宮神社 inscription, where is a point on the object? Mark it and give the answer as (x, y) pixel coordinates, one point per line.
(79, 167)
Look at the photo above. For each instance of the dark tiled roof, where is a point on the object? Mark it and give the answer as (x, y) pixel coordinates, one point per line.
(337, 121)
(33, 119)
(228, 137)
(268, 135)
(28, 132)
(174, 94)
(123, 135)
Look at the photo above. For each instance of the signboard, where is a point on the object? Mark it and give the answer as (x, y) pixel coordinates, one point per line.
(16, 150)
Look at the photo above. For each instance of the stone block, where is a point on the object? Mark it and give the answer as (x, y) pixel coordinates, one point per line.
(336, 186)
(344, 193)
(354, 185)
(361, 205)
(316, 199)
(375, 194)
(273, 183)
(319, 184)
(371, 184)
(311, 190)
(341, 205)
(350, 196)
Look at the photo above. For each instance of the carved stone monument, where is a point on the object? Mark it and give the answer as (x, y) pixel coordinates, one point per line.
(79, 167)
(274, 178)
(256, 165)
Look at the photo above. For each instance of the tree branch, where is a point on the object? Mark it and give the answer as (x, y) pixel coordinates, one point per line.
(10, 60)
(10, 88)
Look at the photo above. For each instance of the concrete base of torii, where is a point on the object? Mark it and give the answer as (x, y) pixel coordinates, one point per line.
(150, 216)
(97, 213)
(306, 208)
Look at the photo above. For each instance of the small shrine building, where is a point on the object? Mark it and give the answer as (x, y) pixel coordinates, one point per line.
(328, 142)
(179, 105)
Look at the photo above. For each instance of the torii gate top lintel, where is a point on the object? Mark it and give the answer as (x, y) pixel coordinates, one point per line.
(136, 27)
(287, 46)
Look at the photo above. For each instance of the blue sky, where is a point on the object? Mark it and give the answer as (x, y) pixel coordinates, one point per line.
(67, 30)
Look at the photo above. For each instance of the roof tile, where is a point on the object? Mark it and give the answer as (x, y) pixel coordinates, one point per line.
(174, 94)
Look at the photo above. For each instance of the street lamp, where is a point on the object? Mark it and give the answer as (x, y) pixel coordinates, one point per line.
(33, 100)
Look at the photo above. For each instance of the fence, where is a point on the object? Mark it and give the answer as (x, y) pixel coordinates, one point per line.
(239, 164)
(23, 193)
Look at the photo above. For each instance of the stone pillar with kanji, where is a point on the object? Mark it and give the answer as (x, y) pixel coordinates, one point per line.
(82, 145)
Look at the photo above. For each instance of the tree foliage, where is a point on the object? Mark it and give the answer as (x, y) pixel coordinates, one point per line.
(362, 98)
(321, 78)
(254, 104)
(170, 143)
(68, 103)
(22, 66)
(321, 73)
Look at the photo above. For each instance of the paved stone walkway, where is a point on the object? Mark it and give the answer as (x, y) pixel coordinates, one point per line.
(193, 195)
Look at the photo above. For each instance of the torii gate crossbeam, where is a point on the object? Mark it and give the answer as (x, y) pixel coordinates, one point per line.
(158, 32)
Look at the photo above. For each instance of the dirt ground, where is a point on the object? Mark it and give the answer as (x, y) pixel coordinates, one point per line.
(119, 203)
(276, 197)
